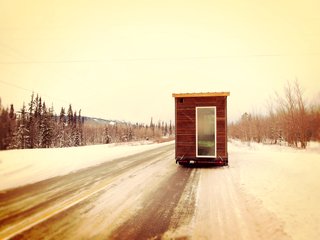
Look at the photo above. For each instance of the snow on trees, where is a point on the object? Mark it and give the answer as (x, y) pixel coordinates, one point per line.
(36, 126)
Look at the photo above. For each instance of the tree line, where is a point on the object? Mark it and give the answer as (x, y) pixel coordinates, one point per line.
(288, 119)
(38, 126)
(116, 131)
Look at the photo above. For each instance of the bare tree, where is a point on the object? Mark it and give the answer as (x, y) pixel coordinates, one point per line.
(287, 118)
(302, 126)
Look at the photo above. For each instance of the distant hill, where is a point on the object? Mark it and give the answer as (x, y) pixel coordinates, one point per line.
(101, 121)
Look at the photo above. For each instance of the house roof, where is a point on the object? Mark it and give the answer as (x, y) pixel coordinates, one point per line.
(204, 94)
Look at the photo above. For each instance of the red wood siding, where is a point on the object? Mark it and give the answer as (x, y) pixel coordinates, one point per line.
(185, 123)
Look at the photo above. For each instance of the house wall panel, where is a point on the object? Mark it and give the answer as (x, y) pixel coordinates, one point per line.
(186, 124)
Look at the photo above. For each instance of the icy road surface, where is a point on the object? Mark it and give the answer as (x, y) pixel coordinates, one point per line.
(268, 192)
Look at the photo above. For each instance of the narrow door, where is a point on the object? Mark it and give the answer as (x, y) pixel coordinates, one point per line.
(206, 132)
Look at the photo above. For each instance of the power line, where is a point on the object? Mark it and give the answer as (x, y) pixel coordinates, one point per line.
(32, 91)
(15, 86)
(22, 56)
(155, 59)
(42, 95)
(50, 61)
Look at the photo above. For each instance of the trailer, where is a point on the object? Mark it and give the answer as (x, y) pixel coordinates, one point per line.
(201, 128)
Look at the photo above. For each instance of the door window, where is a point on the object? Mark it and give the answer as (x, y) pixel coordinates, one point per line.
(206, 132)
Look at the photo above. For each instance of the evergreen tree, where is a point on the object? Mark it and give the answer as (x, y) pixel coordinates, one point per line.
(12, 115)
(37, 121)
(46, 127)
(4, 127)
(11, 127)
(36, 107)
(62, 129)
(31, 124)
(38, 126)
(70, 116)
(21, 138)
(68, 131)
(40, 108)
(80, 128)
(75, 131)
(62, 117)
(74, 120)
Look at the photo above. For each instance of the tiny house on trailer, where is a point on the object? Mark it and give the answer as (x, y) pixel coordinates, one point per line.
(201, 128)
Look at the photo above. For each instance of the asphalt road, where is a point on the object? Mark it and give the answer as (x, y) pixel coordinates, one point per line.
(144, 196)
(150, 188)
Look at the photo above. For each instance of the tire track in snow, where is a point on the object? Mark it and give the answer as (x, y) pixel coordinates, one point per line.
(155, 218)
(225, 212)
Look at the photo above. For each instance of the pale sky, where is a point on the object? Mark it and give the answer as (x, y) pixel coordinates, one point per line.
(123, 59)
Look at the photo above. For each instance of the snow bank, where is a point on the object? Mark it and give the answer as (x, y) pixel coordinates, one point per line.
(285, 180)
(21, 167)
(237, 145)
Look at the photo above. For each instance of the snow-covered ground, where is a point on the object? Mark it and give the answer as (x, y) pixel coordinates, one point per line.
(21, 167)
(268, 192)
(283, 180)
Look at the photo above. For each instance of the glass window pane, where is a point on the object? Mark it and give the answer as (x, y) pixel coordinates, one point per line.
(206, 131)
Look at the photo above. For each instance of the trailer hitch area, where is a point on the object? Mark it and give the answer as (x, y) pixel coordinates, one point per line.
(179, 159)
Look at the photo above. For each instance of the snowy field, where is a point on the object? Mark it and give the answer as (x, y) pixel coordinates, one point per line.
(21, 167)
(285, 181)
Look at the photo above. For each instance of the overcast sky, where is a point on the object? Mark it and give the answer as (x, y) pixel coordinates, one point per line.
(123, 59)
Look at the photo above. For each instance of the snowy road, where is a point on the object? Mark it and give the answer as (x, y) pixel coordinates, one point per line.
(148, 196)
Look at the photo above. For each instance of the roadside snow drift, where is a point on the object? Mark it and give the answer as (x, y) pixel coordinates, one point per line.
(21, 167)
